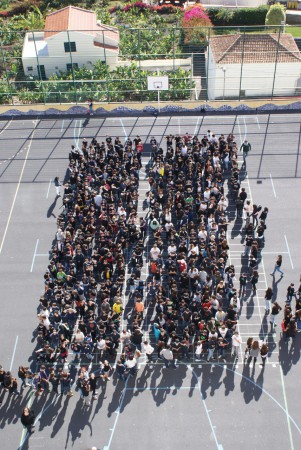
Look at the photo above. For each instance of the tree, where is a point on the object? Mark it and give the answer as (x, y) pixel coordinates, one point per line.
(275, 15)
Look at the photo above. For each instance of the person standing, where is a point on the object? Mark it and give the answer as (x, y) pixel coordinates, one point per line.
(236, 343)
(167, 356)
(290, 293)
(276, 308)
(254, 280)
(264, 349)
(254, 352)
(27, 419)
(248, 348)
(242, 285)
(57, 186)
(268, 298)
(278, 264)
(148, 349)
(245, 148)
(90, 106)
(93, 384)
(86, 392)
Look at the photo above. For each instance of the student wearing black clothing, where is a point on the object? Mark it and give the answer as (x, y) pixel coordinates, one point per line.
(278, 264)
(27, 419)
(93, 381)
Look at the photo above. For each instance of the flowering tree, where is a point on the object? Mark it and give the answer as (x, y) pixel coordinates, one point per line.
(195, 23)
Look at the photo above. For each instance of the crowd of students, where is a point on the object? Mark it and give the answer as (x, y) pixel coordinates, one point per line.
(102, 243)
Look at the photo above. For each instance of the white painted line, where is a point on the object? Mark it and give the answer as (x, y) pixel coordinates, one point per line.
(16, 193)
(6, 126)
(289, 253)
(257, 122)
(62, 128)
(107, 447)
(13, 356)
(123, 129)
(196, 127)
(34, 255)
(47, 195)
(273, 253)
(42, 254)
(78, 134)
(239, 130)
(286, 409)
(273, 185)
(218, 446)
(246, 129)
(75, 126)
(179, 126)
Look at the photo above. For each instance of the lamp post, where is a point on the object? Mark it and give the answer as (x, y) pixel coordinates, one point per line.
(224, 84)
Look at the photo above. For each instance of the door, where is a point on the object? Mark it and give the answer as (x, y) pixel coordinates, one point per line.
(41, 72)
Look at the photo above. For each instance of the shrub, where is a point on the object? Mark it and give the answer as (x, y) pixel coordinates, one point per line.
(240, 17)
(195, 25)
(275, 15)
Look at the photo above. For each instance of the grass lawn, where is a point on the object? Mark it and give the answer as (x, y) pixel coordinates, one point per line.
(295, 31)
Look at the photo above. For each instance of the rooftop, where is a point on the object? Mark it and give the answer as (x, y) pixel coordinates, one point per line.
(254, 48)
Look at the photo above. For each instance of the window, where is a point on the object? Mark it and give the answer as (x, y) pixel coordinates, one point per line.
(70, 66)
(30, 69)
(70, 47)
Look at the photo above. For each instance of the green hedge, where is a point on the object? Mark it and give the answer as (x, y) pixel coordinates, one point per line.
(238, 17)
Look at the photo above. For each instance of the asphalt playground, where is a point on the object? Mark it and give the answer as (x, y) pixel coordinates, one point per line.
(212, 406)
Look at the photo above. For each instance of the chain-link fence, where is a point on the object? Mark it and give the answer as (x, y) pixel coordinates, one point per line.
(216, 63)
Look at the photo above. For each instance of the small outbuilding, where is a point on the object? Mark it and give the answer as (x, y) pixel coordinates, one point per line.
(73, 37)
(252, 65)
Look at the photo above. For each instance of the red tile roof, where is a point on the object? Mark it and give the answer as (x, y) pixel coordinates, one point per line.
(254, 48)
(70, 18)
(77, 19)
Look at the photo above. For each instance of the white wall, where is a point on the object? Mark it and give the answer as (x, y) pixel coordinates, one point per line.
(257, 79)
(86, 54)
(239, 3)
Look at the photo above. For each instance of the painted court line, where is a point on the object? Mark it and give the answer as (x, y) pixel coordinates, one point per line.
(286, 409)
(34, 255)
(289, 253)
(17, 189)
(6, 126)
(13, 356)
(273, 185)
(123, 129)
(47, 195)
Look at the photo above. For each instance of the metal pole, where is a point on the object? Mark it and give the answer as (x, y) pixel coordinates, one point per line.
(39, 70)
(72, 71)
(158, 93)
(173, 48)
(105, 56)
(207, 81)
(224, 85)
(276, 62)
(242, 62)
(139, 60)
(6, 74)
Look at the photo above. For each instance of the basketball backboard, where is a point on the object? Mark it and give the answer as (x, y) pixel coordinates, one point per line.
(157, 83)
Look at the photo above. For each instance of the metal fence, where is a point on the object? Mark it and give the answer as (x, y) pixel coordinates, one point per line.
(223, 63)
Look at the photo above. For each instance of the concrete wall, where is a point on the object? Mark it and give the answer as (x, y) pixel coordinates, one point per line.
(86, 54)
(235, 3)
(257, 80)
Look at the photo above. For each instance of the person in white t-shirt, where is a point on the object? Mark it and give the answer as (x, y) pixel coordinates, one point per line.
(155, 252)
(148, 350)
(236, 343)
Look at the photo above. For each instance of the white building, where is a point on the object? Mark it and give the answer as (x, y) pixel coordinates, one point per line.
(252, 65)
(72, 37)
